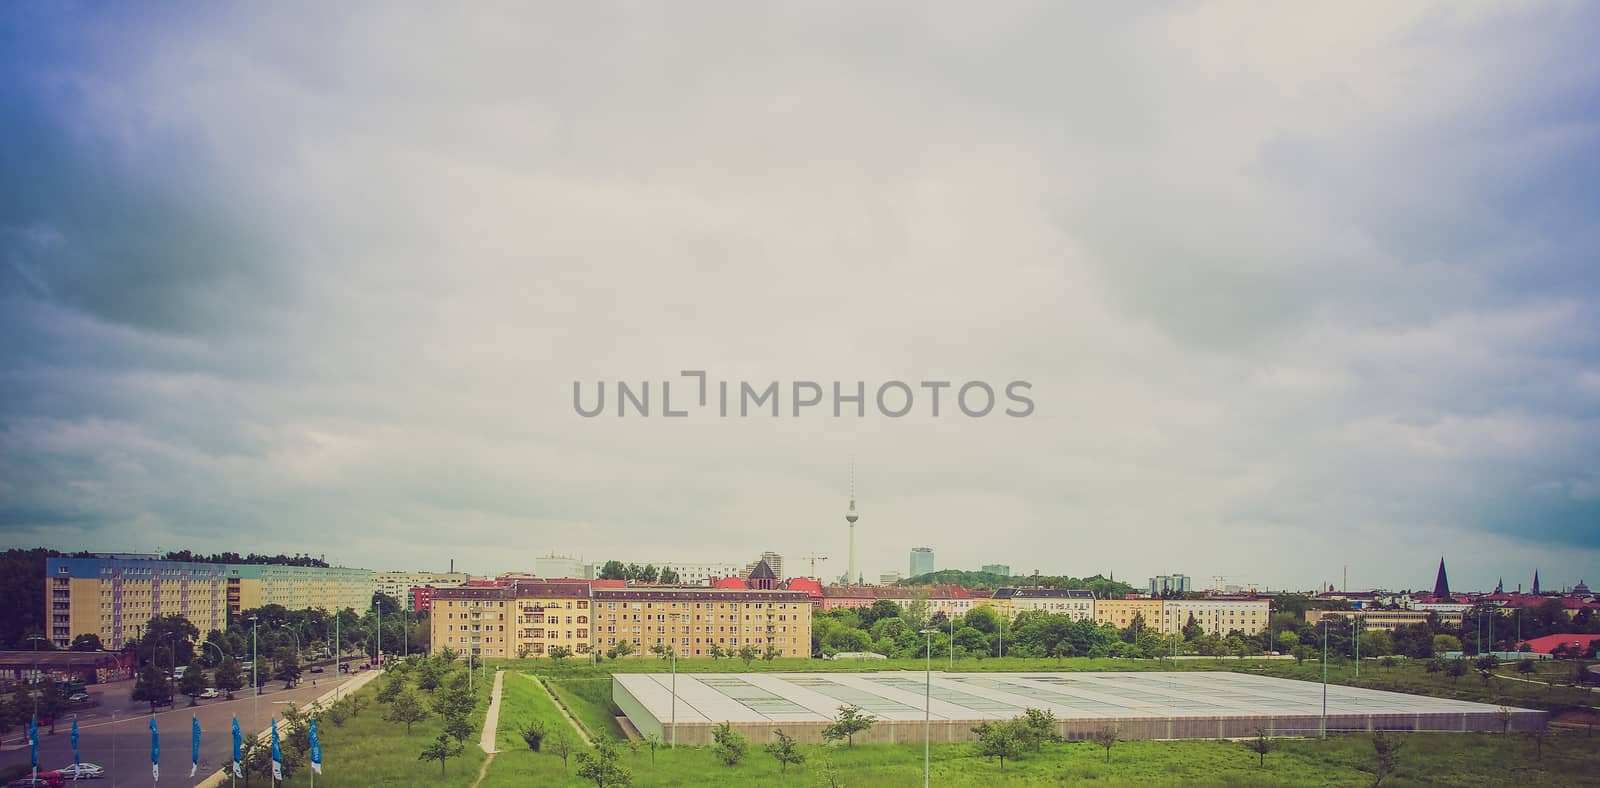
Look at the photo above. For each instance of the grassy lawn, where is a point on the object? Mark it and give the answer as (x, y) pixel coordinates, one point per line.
(1426, 759)
(368, 751)
(522, 702)
(589, 700)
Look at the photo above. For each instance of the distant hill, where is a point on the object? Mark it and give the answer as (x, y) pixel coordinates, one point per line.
(1101, 586)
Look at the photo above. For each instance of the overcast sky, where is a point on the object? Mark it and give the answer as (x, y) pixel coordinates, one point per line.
(1297, 286)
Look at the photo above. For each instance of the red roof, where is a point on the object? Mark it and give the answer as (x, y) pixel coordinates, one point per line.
(1548, 643)
(729, 582)
(806, 584)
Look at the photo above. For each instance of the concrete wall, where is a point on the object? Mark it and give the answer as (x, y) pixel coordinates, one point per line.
(905, 731)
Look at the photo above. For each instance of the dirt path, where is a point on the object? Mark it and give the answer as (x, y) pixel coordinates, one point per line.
(491, 722)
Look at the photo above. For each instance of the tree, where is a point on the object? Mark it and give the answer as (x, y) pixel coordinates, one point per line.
(772, 653)
(1525, 666)
(622, 649)
(1376, 643)
(998, 740)
(748, 654)
(1037, 727)
(152, 686)
(729, 746)
(229, 677)
(338, 711)
(288, 667)
(613, 570)
(849, 722)
(393, 685)
(669, 576)
(1192, 630)
(428, 674)
(459, 727)
(1386, 757)
(1486, 665)
(534, 734)
(1443, 643)
(603, 766)
(1287, 641)
(561, 745)
(1106, 737)
(558, 654)
(1456, 668)
(193, 682)
(785, 751)
(1503, 714)
(653, 741)
(1261, 745)
(87, 642)
(441, 750)
(406, 708)
(716, 652)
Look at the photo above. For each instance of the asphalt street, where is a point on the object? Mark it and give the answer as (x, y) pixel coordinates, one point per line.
(115, 733)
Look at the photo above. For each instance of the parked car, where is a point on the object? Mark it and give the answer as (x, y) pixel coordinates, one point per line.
(210, 692)
(78, 697)
(82, 771)
(44, 780)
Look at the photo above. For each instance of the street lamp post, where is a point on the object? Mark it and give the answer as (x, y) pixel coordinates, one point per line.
(1324, 732)
(674, 653)
(296, 642)
(927, 705)
(952, 647)
(36, 675)
(255, 681)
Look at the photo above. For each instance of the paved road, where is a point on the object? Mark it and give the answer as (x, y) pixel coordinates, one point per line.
(116, 733)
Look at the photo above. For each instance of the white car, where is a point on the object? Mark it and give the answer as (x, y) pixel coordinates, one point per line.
(210, 692)
(82, 771)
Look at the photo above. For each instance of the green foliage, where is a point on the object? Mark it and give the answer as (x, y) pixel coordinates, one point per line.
(152, 686)
(998, 740)
(86, 642)
(406, 708)
(783, 749)
(1037, 727)
(603, 766)
(748, 654)
(193, 682)
(561, 745)
(441, 750)
(1385, 757)
(393, 685)
(229, 677)
(288, 667)
(728, 746)
(534, 734)
(850, 721)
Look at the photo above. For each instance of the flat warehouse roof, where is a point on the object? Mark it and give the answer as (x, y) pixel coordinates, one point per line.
(898, 695)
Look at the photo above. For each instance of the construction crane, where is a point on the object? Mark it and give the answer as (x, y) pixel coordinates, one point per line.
(814, 558)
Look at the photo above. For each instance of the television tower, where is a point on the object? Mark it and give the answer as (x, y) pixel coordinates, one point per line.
(851, 517)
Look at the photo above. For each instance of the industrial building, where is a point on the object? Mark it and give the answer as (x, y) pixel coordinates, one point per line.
(1165, 705)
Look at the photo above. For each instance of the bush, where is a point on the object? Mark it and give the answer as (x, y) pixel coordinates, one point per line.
(730, 747)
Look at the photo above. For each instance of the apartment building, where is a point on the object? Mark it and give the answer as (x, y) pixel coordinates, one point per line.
(115, 598)
(704, 574)
(1077, 603)
(1386, 620)
(399, 584)
(1120, 613)
(695, 620)
(1216, 616)
(529, 619)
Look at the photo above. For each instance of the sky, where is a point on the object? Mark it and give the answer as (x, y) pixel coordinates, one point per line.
(1300, 290)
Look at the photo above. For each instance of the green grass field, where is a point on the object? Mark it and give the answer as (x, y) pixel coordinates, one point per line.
(589, 700)
(369, 751)
(386, 757)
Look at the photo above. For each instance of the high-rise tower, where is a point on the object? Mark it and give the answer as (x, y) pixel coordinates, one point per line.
(851, 517)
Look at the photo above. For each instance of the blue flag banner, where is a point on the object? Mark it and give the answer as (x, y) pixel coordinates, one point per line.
(33, 742)
(75, 760)
(238, 768)
(277, 754)
(316, 749)
(155, 750)
(194, 745)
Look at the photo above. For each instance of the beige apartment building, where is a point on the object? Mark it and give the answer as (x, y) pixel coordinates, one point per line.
(1386, 620)
(528, 619)
(1216, 616)
(1120, 613)
(694, 620)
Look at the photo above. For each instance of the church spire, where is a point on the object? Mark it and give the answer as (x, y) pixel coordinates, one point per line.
(1441, 584)
(1535, 582)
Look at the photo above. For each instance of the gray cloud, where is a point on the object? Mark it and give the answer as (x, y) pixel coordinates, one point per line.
(1295, 293)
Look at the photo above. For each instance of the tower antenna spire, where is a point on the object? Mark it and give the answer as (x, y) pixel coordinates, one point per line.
(850, 517)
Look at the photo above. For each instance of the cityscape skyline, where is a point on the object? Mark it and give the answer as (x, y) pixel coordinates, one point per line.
(1333, 304)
